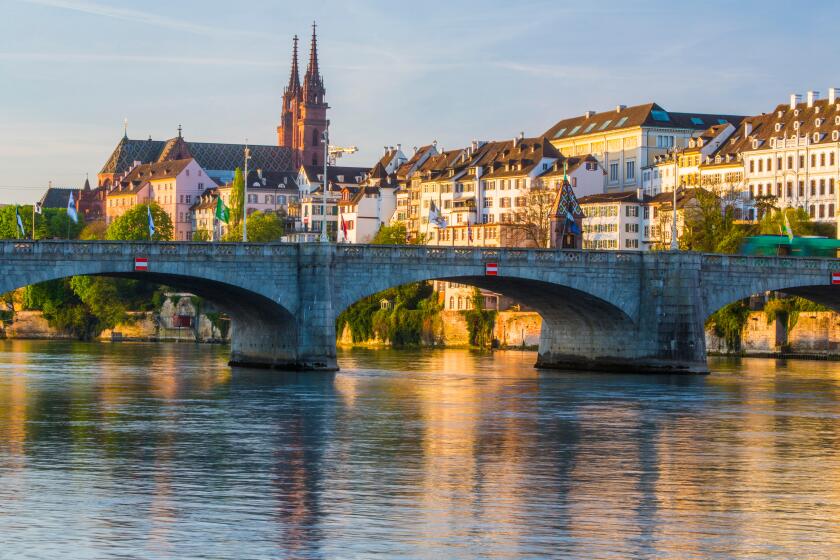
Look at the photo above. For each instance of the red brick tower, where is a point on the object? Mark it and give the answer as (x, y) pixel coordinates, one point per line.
(304, 115)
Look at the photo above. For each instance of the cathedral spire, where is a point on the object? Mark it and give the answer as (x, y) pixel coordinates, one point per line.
(294, 79)
(312, 72)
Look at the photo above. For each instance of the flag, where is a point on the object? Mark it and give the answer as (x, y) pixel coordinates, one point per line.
(435, 217)
(38, 208)
(344, 227)
(788, 228)
(222, 211)
(71, 209)
(19, 223)
(151, 222)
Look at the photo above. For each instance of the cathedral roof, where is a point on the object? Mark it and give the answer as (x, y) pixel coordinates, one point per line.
(58, 198)
(210, 156)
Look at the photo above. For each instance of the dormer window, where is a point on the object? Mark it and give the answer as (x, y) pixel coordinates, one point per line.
(778, 127)
(755, 144)
(837, 120)
(818, 122)
(816, 137)
(835, 136)
(796, 112)
(796, 125)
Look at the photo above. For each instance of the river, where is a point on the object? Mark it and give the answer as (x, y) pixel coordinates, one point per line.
(162, 451)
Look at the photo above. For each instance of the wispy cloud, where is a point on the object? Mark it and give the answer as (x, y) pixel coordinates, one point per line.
(127, 14)
(124, 58)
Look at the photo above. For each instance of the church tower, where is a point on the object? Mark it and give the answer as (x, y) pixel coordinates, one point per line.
(304, 115)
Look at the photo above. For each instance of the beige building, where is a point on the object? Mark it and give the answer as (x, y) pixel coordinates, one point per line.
(628, 139)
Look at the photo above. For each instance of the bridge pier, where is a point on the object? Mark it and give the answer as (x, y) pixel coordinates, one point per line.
(667, 337)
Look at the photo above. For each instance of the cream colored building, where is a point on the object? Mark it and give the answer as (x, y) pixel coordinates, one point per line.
(628, 139)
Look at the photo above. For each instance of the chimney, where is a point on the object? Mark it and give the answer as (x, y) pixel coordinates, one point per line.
(620, 108)
(515, 141)
(399, 147)
(588, 114)
(415, 149)
(795, 98)
(811, 97)
(832, 95)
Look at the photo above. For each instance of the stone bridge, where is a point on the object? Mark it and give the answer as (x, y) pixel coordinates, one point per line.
(601, 310)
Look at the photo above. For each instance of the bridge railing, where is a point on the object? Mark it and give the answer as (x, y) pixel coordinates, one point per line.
(769, 263)
(487, 254)
(43, 249)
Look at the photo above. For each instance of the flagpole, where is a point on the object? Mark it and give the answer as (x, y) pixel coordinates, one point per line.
(33, 221)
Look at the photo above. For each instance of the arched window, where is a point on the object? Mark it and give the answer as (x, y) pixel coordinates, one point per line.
(316, 136)
(451, 302)
(460, 302)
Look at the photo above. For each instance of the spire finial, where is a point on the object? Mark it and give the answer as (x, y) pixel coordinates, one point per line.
(125, 128)
(179, 131)
(294, 79)
(312, 69)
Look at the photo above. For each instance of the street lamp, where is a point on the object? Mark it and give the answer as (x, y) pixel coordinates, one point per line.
(326, 139)
(245, 196)
(674, 245)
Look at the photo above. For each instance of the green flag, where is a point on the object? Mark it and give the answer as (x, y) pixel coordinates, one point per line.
(222, 211)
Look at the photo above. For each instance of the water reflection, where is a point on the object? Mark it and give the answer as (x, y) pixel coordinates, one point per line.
(163, 451)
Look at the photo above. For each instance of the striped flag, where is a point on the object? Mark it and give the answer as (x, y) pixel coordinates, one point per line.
(19, 223)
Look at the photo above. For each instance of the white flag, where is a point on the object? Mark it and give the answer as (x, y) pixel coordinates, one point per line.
(71, 209)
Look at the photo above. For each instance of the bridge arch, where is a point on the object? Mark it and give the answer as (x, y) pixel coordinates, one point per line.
(588, 313)
(727, 279)
(262, 312)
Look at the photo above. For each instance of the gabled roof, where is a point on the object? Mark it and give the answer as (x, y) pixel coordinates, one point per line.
(210, 156)
(58, 197)
(336, 173)
(155, 171)
(648, 115)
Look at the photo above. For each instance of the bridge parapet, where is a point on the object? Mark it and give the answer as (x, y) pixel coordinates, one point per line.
(182, 250)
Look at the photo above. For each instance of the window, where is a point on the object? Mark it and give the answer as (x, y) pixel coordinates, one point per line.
(621, 122)
(812, 211)
(560, 133)
(647, 212)
(697, 120)
(631, 211)
(822, 211)
(589, 128)
(664, 141)
(614, 172)
(574, 130)
(188, 198)
(831, 210)
(801, 161)
(630, 171)
(790, 189)
(813, 160)
(801, 189)
(813, 187)
(831, 158)
(760, 165)
(831, 186)
(752, 166)
(822, 159)
(605, 125)
(822, 187)
(659, 115)
(790, 162)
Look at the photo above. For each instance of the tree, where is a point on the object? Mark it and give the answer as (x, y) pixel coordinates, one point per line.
(94, 231)
(773, 223)
(134, 225)
(263, 227)
(237, 199)
(532, 218)
(201, 235)
(710, 225)
(480, 322)
(52, 223)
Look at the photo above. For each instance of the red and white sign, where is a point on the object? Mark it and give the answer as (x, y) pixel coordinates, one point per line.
(141, 264)
(835, 277)
(491, 269)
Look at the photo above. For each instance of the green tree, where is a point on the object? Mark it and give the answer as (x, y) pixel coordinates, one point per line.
(773, 223)
(480, 322)
(396, 234)
(237, 199)
(94, 231)
(263, 227)
(710, 226)
(728, 323)
(201, 235)
(134, 225)
(50, 224)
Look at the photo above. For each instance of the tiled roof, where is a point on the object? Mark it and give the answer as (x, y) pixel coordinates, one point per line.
(155, 171)
(649, 115)
(209, 155)
(630, 197)
(58, 198)
(346, 174)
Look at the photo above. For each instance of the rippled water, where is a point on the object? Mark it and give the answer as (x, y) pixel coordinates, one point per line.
(162, 451)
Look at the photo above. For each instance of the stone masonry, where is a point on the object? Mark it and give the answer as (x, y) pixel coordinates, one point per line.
(611, 310)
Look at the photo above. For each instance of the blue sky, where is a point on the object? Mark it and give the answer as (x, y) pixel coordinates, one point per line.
(395, 72)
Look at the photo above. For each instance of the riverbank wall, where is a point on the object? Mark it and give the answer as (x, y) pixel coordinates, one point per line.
(513, 329)
(814, 334)
(178, 320)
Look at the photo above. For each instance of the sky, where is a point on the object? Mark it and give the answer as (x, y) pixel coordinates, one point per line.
(71, 71)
